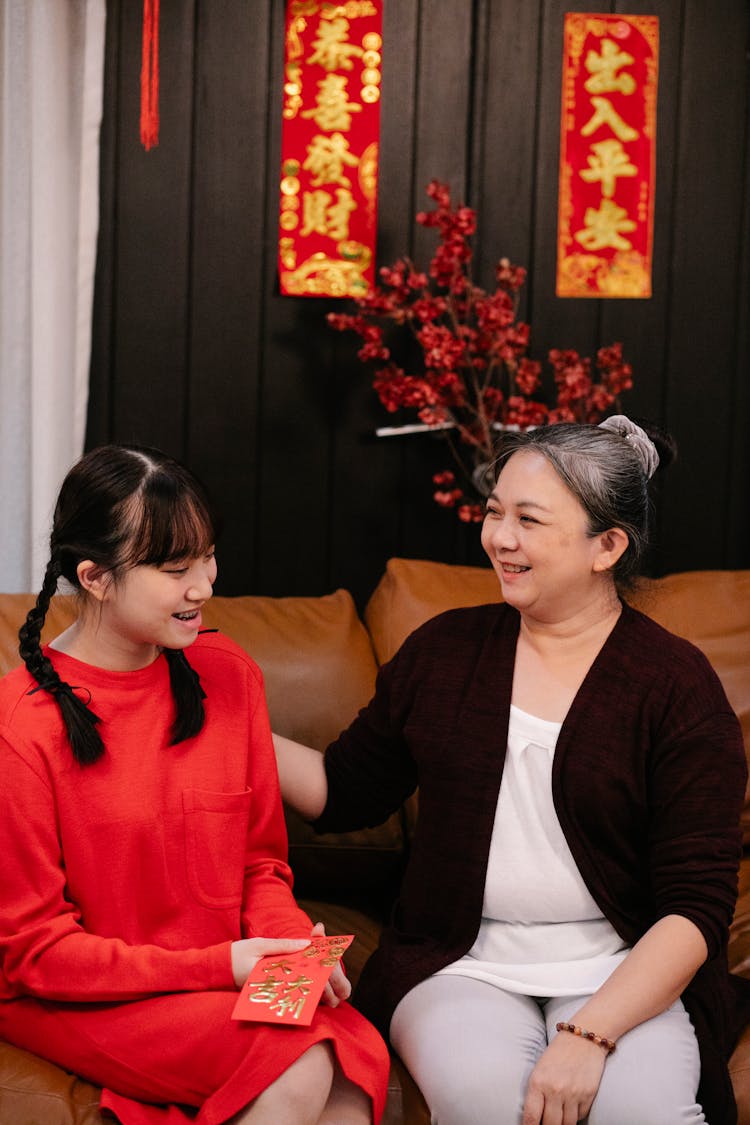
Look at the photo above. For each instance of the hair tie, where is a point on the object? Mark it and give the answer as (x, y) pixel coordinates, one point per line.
(637, 439)
(59, 687)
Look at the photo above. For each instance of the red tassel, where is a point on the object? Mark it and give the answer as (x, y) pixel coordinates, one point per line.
(150, 75)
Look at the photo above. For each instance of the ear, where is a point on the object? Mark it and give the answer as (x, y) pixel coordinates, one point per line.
(612, 546)
(93, 579)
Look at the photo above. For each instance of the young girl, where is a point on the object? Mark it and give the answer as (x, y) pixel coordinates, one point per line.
(140, 820)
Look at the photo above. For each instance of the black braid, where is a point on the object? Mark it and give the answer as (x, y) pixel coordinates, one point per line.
(188, 696)
(80, 721)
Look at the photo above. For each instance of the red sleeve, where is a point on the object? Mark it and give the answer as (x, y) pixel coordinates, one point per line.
(45, 949)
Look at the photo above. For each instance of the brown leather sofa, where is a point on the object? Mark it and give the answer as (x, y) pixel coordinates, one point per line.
(319, 661)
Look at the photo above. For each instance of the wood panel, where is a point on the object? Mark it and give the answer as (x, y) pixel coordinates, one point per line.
(706, 216)
(195, 350)
(228, 271)
(152, 314)
(364, 466)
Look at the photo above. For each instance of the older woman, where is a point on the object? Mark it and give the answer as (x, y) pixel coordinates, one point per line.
(558, 949)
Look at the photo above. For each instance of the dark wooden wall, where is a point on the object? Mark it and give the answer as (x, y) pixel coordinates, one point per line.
(195, 351)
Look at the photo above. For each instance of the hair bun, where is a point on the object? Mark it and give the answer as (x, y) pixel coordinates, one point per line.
(637, 438)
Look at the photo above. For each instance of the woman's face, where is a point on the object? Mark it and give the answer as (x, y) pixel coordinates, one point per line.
(536, 535)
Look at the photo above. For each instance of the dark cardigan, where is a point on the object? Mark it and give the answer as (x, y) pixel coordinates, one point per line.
(648, 781)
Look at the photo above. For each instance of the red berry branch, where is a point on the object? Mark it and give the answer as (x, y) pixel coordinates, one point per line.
(475, 377)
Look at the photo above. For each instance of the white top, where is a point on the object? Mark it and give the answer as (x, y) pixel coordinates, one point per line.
(542, 933)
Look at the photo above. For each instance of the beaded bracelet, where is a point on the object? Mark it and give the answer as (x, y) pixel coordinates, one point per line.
(608, 1044)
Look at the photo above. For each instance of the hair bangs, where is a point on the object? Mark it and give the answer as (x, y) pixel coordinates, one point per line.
(169, 523)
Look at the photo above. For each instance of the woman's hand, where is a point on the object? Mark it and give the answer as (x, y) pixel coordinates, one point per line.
(247, 952)
(564, 1082)
(337, 987)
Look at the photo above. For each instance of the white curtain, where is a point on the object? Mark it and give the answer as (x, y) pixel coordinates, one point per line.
(51, 78)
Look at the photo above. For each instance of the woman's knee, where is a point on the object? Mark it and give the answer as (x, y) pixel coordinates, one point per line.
(474, 1087)
(470, 1048)
(476, 1098)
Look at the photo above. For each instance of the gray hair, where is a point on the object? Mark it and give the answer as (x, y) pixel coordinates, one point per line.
(608, 474)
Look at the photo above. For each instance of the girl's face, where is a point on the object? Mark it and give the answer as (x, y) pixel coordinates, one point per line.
(536, 535)
(152, 607)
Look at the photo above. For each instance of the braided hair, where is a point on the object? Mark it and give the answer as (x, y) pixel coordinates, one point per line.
(120, 507)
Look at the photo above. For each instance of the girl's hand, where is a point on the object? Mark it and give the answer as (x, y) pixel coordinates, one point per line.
(247, 952)
(564, 1082)
(338, 987)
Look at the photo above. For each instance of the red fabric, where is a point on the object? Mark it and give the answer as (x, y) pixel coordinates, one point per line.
(129, 879)
(150, 75)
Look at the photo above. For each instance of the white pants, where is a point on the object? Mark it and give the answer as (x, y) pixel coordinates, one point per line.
(471, 1048)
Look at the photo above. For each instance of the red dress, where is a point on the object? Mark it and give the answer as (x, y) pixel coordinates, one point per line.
(125, 882)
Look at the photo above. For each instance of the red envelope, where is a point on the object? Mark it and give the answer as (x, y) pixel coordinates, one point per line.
(286, 988)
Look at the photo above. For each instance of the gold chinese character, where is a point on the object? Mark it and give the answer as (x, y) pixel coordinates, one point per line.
(338, 214)
(333, 110)
(606, 114)
(605, 227)
(322, 216)
(333, 51)
(609, 161)
(314, 210)
(288, 1004)
(282, 966)
(326, 157)
(603, 70)
(301, 984)
(265, 991)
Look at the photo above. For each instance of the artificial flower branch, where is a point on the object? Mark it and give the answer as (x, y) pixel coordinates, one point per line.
(475, 377)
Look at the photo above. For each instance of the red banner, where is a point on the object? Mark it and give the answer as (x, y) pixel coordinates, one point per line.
(607, 155)
(329, 148)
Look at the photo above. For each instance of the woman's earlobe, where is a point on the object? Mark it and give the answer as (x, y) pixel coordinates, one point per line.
(614, 543)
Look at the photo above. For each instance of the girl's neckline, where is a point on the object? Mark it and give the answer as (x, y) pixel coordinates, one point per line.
(97, 671)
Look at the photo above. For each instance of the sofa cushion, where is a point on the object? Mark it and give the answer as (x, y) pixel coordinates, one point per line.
(35, 1092)
(413, 590)
(712, 609)
(315, 655)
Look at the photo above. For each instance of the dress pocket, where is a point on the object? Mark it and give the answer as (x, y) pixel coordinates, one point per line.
(216, 826)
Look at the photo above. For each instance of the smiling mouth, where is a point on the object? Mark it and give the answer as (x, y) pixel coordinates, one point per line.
(514, 568)
(188, 615)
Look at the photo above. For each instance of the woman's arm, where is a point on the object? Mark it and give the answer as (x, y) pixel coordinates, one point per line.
(655, 973)
(302, 777)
